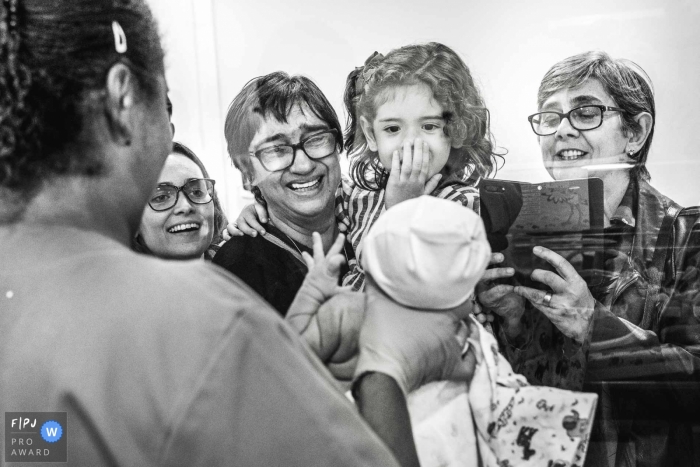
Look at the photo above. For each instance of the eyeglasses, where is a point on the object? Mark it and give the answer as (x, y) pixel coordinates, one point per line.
(318, 146)
(197, 191)
(586, 117)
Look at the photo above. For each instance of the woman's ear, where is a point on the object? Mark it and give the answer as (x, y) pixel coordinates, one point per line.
(369, 134)
(252, 171)
(258, 195)
(639, 137)
(121, 89)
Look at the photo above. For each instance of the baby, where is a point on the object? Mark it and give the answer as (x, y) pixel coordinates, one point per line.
(428, 253)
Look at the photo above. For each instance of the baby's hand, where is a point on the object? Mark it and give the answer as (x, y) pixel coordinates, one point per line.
(484, 317)
(249, 222)
(409, 178)
(320, 284)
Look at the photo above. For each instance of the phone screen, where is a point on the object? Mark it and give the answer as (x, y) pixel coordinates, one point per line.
(565, 216)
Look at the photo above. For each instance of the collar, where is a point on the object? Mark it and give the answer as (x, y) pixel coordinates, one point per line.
(28, 245)
(624, 214)
(297, 246)
(276, 236)
(650, 209)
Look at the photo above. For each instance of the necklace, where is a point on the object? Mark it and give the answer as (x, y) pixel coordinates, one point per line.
(293, 243)
(345, 253)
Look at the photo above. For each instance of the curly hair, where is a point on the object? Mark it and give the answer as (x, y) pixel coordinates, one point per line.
(627, 84)
(467, 119)
(53, 56)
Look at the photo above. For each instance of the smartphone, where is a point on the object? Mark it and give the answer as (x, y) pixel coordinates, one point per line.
(565, 216)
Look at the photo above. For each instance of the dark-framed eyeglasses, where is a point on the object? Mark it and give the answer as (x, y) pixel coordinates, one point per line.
(584, 118)
(281, 156)
(197, 191)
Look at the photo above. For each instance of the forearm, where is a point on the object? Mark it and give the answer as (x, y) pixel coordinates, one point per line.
(641, 353)
(383, 405)
(612, 332)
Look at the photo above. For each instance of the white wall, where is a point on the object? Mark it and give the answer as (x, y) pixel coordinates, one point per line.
(188, 32)
(215, 46)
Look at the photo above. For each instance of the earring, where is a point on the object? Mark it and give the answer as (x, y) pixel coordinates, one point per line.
(630, 152)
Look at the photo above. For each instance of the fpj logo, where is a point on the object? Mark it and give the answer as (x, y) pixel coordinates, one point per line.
(36, 437)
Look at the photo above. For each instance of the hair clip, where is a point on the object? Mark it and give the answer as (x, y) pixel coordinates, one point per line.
(367, 71)
(119, 38)
(371, 65)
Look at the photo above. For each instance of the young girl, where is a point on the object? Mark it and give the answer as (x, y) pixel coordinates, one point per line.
(417, 125)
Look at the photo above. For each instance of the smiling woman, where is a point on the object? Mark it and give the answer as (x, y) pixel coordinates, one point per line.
(637, 322)
(285, 137)
(183, 215)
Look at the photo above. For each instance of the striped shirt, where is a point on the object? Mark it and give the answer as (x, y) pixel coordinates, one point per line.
(357, 210)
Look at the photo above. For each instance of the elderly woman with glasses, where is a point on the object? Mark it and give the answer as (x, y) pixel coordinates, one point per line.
(285, 137)
(596, 119)
(183, 216)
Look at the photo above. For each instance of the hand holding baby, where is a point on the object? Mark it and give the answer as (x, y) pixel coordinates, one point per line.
(413, 347)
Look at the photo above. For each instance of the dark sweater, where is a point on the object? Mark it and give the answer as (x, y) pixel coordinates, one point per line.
(272, 271)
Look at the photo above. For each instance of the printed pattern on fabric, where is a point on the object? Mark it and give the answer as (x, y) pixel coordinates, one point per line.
(357, 210)
(499, 418)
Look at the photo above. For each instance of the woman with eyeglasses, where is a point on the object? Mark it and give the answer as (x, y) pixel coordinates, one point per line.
(285, 137)
(183, 215)
(596, 119)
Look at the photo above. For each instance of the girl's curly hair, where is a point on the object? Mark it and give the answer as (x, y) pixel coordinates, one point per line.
(440, 68)
(53, 56)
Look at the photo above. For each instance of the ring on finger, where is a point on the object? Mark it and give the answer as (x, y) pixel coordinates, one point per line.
(547, 298)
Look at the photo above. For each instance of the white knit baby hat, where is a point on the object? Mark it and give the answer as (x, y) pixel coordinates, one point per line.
(427, 253)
